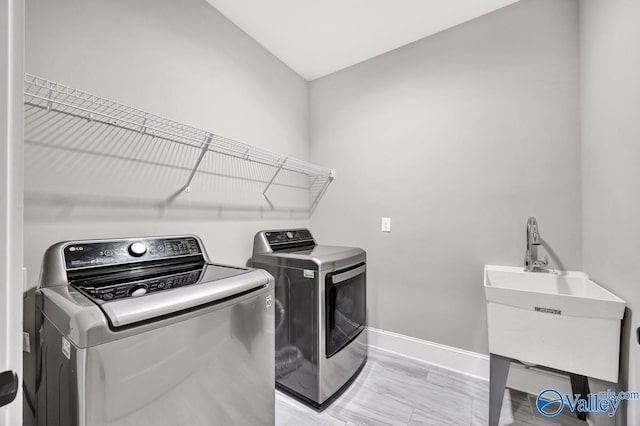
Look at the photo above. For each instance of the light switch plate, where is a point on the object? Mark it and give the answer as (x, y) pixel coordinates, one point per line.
(386, 224)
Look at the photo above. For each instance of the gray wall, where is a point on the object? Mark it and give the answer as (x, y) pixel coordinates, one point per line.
(610, 66)
(459, 138)
(183, 61)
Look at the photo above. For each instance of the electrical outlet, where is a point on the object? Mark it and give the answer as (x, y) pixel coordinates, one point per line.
(386, 224)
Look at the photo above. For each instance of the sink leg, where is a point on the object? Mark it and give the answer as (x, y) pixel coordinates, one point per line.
(579, 385)
(603, 419)
(499, 371)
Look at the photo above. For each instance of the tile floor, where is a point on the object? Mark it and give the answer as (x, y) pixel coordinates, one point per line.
(394, 390)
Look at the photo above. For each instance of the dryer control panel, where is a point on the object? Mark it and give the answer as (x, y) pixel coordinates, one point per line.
(293, 236)
(103, 253)
(281, 240)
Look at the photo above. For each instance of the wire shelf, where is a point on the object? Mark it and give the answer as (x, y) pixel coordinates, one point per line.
(112, 120)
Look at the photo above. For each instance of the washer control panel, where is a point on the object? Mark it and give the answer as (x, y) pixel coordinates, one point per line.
(142, 287)
(276, 238)
(102, 253)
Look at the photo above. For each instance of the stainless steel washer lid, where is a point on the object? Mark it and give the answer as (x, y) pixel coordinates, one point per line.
(86, 323)
(136, 309)
(94, 291)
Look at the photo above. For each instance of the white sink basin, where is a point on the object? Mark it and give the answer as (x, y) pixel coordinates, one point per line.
(561, 320)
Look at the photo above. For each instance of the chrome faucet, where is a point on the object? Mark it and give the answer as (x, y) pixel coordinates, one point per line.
(531, 261)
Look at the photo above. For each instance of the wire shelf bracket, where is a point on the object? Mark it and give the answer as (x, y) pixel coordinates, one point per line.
(264, 193)
(187, 186)
(316, 200)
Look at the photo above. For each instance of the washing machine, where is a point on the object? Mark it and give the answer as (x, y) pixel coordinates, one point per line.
(320, 313)
(148, 331)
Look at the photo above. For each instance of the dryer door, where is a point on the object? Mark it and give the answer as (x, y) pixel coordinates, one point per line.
(346, 295)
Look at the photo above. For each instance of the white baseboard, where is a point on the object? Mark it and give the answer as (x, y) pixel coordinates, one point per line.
(460, 360)
(530, 380)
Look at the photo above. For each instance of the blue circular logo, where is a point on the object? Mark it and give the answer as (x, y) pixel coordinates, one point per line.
(549, 402)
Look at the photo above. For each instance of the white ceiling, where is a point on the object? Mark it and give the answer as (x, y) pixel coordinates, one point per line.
(316, 38)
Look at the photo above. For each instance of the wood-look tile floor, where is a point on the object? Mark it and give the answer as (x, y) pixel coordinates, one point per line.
(394, 390)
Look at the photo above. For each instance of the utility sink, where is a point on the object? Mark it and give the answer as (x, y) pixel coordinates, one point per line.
(557, 319)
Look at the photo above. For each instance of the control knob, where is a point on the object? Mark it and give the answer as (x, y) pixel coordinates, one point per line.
(137, 291)
(137, 249)
(289, 234)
